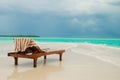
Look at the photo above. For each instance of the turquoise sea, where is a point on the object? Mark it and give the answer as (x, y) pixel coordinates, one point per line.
(105, 41)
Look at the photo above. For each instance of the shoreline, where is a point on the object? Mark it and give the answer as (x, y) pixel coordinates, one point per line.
(106, 45)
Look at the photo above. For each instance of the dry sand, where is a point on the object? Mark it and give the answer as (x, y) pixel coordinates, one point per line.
(81, 61)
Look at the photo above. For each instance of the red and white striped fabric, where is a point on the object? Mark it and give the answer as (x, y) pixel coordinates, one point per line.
(22, 43)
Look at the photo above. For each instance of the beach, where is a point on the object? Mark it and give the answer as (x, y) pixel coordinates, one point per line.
(81, 61)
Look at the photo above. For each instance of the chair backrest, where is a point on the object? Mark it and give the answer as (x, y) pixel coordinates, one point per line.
(27, 45)
(22, 43)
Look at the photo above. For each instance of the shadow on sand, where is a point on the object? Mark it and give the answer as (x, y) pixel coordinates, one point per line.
(40, 73)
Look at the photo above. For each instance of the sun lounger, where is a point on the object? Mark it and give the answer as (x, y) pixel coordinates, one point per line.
(35, 56)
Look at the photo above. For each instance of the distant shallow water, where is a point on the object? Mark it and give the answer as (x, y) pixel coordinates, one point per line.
(109, 42)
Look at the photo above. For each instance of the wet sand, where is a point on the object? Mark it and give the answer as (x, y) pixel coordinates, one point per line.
(75, 65)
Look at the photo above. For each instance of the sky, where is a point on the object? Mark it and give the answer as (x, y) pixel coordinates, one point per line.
(61, 18)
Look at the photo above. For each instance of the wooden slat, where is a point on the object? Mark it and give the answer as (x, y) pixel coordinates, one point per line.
(35, 55)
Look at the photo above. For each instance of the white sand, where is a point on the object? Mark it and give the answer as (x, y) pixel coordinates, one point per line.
(81, 61)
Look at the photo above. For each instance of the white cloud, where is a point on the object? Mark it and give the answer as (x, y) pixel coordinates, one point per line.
(84, 23)
(71, 7)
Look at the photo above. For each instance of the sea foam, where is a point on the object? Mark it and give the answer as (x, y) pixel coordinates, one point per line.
(101, 52)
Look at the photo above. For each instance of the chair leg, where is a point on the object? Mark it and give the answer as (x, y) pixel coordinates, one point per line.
(45, 57)
(16, 60)
(35, 62)
(60, 57)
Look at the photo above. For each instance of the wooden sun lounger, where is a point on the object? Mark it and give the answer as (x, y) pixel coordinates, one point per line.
(34, 56)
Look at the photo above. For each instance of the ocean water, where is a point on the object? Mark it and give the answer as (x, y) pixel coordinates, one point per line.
(109, 42)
